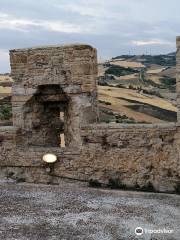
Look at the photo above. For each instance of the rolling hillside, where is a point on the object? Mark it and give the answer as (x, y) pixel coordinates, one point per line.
(138, 89)
(5, 98)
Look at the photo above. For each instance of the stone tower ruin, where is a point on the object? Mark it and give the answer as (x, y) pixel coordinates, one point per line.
(54, 92)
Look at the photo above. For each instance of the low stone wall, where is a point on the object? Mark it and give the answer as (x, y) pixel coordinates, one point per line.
(131, 156)
(134, 156)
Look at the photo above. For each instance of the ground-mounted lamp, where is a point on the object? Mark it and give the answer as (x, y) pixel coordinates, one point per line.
(49, 158)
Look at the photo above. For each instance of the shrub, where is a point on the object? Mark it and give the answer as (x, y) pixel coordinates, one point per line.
(177, 188)
(120, 71)
(119, 86)
(151, 83)
(103, 84)
(131, 87)
(104, 102)
(5, 112)
(168, 81)
(152, 92)
(94, 183)
(148, 188)
(115, 183)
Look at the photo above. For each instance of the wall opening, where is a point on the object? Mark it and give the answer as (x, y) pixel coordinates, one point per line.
(62, 135)
(45, 117)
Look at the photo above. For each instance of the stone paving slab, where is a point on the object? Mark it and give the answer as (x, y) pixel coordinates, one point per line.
(73, 211)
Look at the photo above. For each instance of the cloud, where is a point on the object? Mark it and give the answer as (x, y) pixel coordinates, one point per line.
(13, 23)
(90, 8)
(58, 26)
(113, 27)
(93, 9)
(151, 42)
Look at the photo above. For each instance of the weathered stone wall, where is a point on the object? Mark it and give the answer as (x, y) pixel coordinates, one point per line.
(134, 156)
(73, 68)
(129, 156)
(137, 156)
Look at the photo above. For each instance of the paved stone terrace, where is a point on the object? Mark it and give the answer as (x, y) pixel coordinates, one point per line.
(71, 211)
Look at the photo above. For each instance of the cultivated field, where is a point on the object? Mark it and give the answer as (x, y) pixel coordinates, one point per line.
(120, 101)
(142, 88)
(127, 64)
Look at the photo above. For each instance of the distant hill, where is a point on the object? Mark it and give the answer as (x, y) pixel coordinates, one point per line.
(138, 88)
(162, 59)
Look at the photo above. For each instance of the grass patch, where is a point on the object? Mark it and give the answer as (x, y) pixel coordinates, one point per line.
(6, 112)
(120, 71)
(169, 83)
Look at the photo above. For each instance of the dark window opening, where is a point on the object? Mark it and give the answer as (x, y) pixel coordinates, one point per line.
(46, 117)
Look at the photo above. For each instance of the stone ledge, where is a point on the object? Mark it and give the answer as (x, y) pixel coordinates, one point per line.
(77, 46)
(130, 126)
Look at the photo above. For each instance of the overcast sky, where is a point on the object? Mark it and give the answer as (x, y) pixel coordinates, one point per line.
(114, 27)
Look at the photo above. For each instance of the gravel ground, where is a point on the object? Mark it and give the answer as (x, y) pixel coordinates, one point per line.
(73, 211)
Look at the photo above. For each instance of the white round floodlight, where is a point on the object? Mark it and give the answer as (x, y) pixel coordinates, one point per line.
(49, 158)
